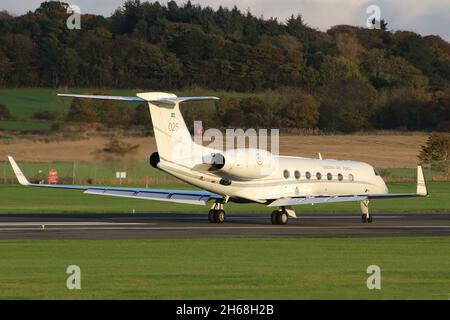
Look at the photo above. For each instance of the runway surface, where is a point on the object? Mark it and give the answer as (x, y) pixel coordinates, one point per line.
(173, 226)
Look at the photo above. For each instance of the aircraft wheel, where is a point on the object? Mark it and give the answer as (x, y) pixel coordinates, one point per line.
(219, 216)
(364, 218)
(273, 217)
(211, 216)
(282, 217)
(369, 220)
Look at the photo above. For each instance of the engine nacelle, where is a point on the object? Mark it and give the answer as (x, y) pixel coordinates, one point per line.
(244, 164)
(154, 160)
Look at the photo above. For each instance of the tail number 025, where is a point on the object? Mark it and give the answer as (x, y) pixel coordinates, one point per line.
(173, 126)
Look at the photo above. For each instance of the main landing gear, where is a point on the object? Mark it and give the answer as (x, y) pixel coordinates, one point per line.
(366, 217)
(279, 216)
(216, 214)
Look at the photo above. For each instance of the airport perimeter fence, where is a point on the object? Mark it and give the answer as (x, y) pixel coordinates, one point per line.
(142, 174)
(87, 173)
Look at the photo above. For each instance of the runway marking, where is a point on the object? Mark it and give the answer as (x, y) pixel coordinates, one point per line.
(347, 217)
(71, 223)
(230, 228)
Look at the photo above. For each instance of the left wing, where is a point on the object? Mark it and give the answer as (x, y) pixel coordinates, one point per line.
(199, 197)
(421, 191)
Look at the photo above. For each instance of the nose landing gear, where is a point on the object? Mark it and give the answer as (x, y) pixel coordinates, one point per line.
(279, 216)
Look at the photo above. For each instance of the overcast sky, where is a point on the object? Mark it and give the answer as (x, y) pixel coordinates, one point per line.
(424, 17)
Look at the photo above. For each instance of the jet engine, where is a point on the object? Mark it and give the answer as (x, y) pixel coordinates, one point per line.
(244, 164)
(154, 160)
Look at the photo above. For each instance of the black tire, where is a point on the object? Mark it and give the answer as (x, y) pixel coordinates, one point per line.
(273, 217)
(364, 218)
(219, 216)
(211, 216)
(282, 217)
(369, 220)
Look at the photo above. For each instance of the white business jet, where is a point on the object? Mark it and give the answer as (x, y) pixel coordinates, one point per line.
(240, 175)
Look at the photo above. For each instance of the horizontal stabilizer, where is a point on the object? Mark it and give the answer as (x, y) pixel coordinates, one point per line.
(161, 97)
(97, 97)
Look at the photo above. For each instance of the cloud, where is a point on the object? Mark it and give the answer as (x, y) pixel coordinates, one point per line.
(104, 7)
(424, 17)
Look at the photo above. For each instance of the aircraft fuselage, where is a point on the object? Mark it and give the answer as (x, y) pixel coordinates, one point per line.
(292, 177)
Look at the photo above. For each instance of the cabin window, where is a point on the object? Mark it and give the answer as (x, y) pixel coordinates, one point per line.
(329, 176)
(351, 177)
(297, 174)
(318, 175)
(286, 174)
(308, 175)
(340, 177)
(377, 172)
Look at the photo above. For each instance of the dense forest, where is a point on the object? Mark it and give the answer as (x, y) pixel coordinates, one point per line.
(345, 79)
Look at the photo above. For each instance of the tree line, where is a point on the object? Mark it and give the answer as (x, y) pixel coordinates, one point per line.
(345, 79)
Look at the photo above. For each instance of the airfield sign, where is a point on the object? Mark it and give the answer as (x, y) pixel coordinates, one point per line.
(121, 175)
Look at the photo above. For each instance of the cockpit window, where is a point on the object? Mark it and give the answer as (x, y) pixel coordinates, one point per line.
(377, 172)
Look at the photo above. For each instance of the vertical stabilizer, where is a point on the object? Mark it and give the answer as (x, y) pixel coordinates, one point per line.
(172, 136)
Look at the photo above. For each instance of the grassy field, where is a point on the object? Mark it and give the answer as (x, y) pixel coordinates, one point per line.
(411, 268)
(39, 200)
(15, 125)
(410, 173)
(23, 103)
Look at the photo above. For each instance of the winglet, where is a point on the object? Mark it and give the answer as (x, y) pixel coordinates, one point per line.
(19, 175)
(421, 185)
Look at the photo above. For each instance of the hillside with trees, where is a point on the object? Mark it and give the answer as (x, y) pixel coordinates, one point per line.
(345, 79)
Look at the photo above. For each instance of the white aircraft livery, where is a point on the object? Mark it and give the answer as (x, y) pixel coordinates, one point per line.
(240, 175)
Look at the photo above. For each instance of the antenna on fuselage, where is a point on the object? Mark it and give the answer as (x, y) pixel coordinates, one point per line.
(320, 156)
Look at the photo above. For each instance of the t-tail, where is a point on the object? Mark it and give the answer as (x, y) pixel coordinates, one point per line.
(173, 139)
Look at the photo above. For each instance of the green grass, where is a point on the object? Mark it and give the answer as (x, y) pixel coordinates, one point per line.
(14, 125)
(23, 103)
(409, 173)
(18, 199)
(411, 268)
